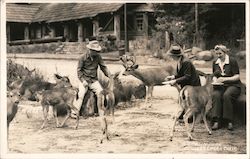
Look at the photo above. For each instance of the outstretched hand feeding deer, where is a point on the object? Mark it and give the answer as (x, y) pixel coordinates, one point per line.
(150, 76)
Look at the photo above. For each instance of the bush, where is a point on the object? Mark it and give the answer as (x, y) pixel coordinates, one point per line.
(16, 71)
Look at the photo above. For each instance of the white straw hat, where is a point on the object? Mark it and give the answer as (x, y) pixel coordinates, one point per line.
(94, 45)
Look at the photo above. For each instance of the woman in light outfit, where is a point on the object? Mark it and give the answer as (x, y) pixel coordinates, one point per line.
(226, 72)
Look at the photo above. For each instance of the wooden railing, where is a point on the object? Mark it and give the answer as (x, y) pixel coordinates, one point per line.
(30, 41)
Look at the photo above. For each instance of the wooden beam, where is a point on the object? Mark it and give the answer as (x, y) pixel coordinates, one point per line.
(53, 31)
(8, 32)
(66, 32)
(43, 30)
(80, 31)
(95, 27)
(125, 29)
(145, 24)
(117, 28)
(26, 32)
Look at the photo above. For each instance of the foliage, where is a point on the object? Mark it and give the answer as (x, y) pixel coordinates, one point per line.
(217, 23)
(16, 71)
(108, 42)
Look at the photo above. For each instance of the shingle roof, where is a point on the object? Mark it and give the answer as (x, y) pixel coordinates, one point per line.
(55, 12)
(20, 12)
(68, 11)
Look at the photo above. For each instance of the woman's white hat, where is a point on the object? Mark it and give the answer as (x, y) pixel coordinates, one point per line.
(222, 48)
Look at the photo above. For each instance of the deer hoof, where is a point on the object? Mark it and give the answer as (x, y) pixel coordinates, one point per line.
(171, 138)
(101, 141)
(41, 127)
(190, 138)
(192, 130)
(210, 133)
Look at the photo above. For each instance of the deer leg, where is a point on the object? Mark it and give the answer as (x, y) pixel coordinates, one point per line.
(102, 117)
(147, 93)
(104, 125)
(72, 107)
(192, 128)
(55, 116)
(113, 114)
(66, 117)
(188, 113)
(205, 122)
(150, 91)
(176, 117)
(45, 115)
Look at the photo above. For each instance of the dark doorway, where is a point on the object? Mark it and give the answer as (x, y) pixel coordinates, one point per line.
(17, 31)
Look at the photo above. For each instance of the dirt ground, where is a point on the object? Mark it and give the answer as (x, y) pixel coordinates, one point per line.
(139, 128)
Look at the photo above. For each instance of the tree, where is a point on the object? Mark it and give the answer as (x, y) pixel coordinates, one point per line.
(218, 23)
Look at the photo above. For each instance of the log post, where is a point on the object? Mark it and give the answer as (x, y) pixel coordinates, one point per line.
(66, 32)
(26, 32)
(117, 28)
(95, 27)
(8, 32)
(80, 32)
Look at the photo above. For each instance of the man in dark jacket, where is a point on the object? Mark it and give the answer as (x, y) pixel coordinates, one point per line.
(87, 73)
(186, 73)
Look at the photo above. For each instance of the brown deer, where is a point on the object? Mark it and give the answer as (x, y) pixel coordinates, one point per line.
(58, 97)
(13, 98)
(29, 86)
(150, 76)
(194, 100)
(107, 106)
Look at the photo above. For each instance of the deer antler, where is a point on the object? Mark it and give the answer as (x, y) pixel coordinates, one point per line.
(126, 58)
(133, 59)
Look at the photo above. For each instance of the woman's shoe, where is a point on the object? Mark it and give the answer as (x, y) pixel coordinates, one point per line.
(230, 126)
(215, 126)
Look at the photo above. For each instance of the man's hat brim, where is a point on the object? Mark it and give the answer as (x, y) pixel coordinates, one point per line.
(94, 47)
(174, 53)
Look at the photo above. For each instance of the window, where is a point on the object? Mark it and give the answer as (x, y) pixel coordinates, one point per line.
(139, 22)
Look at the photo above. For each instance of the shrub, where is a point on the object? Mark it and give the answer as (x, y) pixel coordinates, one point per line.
(16, 71)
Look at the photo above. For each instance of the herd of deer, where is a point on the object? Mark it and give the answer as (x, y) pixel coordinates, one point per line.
(62, 94)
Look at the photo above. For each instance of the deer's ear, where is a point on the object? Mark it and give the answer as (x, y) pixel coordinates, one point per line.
(124, 65)
(116, 75)
(135, 66)
(56, 76)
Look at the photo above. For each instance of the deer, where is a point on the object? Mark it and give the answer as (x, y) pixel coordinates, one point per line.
(58, 97)
(124, 90)
(29, 86)
(107, 99)
(13, 98)
(150, 77)
(194, 100)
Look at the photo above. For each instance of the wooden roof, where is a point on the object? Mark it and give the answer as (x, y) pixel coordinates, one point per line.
(21, 12)
(70, 11)
(56, 12)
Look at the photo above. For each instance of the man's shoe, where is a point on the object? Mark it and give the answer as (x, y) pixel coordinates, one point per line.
(230, 126)
(215, 126)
